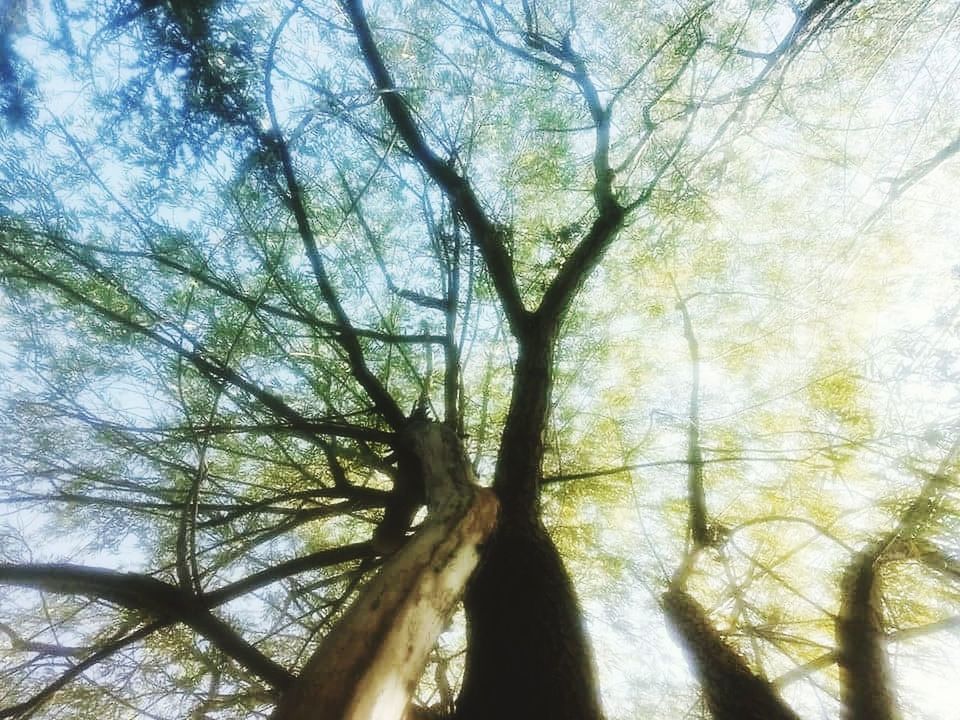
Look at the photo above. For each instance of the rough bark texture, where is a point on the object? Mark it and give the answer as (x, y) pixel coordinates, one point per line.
(864, 676)
(528, 655)
(369, 665)
(732, 689)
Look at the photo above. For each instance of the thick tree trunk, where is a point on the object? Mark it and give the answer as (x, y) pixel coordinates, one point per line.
(369, 665)
(733, 691)
(527, 655)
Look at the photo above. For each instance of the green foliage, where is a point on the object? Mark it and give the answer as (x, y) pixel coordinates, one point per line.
(178, 364)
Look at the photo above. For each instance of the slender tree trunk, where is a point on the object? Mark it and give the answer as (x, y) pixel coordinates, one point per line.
(527, 654)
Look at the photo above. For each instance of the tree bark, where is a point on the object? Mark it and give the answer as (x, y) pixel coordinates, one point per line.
(733, 691)
(861, 655)
(527, 654)
(368, 667)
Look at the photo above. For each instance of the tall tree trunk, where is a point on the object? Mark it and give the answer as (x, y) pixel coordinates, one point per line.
(527, 654)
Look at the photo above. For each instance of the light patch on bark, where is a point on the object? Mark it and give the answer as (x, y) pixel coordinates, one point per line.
(369, 665)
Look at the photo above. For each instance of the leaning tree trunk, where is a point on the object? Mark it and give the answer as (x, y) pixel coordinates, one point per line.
(732, 690)
(369, 665)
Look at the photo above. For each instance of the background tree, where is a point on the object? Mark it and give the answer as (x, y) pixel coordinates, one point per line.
(245, 248)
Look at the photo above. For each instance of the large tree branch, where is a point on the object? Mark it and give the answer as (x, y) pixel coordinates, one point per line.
(313, 561)
(368, 666)
(489, 237)
(154, 597)
(861, 651)
(580, 263)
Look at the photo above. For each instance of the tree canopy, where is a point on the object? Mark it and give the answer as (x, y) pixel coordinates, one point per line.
(679, 280)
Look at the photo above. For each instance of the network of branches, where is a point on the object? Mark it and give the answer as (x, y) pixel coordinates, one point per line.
(680, 276)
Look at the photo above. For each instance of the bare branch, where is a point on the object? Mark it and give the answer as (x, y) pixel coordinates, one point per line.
(902, 183)
(206, 364)
(154, 597)
(26, 708)
(313, 561)
(275, 142)
(696, 497)
(485, 234)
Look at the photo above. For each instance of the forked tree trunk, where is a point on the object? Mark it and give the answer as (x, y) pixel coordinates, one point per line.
(528, 657)
(369, 665)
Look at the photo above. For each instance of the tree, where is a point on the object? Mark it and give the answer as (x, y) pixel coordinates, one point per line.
(255, 257)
